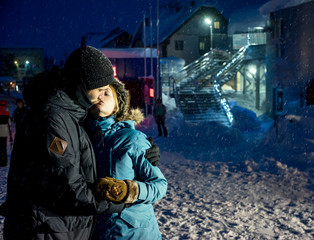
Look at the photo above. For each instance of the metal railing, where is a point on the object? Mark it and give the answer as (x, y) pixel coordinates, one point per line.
(209, 72)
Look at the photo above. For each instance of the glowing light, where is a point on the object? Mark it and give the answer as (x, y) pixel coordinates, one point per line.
(151, 92)
(208, 21)
(252, 69)
(15, 62)
(114, 68)
(27, 62)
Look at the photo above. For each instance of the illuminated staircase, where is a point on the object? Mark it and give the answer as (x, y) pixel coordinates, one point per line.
(198, 92)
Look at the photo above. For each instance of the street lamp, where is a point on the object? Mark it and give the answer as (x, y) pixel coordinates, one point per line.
(209, 22)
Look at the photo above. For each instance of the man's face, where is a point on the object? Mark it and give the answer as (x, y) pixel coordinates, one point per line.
(20, 105)
(103, 100)
(95, 95)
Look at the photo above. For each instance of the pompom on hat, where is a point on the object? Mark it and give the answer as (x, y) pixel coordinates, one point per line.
(89, 66)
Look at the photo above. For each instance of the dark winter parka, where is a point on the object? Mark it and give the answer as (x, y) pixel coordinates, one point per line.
(52, 171)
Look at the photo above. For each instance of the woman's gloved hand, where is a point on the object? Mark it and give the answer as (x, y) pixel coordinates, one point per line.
(153, 153)
(117, 191)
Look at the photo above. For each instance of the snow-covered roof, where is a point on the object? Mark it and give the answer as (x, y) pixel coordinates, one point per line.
(128, 52)
(100, 39)
(170, 20)
(275, 5)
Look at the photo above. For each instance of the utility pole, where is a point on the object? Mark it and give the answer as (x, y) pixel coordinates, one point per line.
(151, 40)
(144, 41)
(157, 73)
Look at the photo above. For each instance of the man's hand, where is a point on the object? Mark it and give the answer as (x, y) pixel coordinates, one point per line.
(117, 191)
(153, 153)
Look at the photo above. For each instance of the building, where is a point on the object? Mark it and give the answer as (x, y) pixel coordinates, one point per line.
(187, 32)
(290, 59)
(117, 38)
(178, 35)
(26, 62)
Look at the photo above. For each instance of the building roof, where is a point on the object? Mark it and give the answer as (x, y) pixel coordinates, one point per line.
(128, 52)
(170, 20)
(101, 39)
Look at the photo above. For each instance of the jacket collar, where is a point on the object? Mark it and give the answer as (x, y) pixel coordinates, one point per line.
(110, 125)
(61, 99)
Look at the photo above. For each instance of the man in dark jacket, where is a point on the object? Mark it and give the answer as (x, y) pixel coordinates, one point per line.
(19, 112)
(159, 112)
(52, 171)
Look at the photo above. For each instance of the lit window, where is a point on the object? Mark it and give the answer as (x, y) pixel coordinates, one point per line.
(202, 46)
(179, 45)
(216, 25)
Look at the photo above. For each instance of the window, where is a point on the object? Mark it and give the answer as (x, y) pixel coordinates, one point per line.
(202, 45)
(179, 45)
(216, 25)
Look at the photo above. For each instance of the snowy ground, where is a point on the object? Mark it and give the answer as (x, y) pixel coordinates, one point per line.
(251, 181)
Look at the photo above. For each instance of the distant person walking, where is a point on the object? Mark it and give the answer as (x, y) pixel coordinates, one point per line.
(19, 112)
(159, 113)
(5, 131)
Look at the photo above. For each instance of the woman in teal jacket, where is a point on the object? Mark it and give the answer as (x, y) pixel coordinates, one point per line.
(120, 153)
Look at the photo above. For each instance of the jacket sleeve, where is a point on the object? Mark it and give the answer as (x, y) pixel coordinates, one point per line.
(70, 184)
(152, 183)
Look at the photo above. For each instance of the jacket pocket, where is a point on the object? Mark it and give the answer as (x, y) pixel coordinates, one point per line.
(138, 216)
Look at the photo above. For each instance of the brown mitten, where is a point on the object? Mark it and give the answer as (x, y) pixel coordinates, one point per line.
(117, 191)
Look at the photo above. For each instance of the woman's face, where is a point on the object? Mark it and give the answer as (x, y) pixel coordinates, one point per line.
(103, 100)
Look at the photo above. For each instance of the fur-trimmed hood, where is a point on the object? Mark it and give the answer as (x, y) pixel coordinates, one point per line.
(135, 115)
(123, 97)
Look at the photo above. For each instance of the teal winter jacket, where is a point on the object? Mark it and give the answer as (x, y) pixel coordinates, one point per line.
(120, 153)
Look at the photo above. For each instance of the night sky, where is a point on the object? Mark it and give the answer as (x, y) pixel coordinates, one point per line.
(57, 25)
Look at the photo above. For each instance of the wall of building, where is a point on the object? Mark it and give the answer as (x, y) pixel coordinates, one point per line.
(290, 62)
(191, 32)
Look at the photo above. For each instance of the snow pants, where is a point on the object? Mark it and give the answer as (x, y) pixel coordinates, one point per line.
(161, 125)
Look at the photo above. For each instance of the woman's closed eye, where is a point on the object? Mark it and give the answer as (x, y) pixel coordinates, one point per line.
(108, 92)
